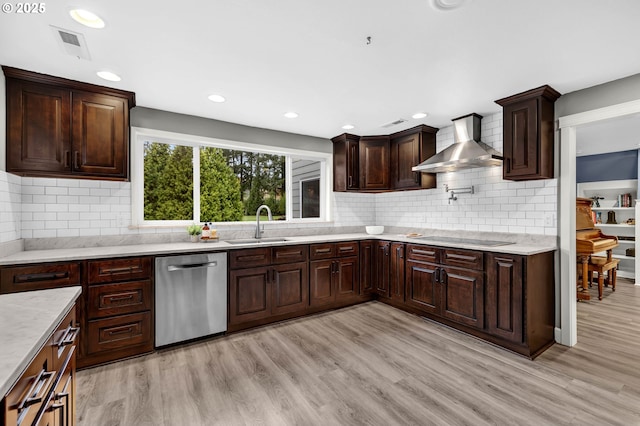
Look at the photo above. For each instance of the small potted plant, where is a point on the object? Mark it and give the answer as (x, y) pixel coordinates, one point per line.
(194, 231)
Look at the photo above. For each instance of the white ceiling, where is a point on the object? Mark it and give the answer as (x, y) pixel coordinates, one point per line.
(268, 57)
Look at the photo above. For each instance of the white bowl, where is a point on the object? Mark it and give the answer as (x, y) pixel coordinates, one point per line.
(374, 230)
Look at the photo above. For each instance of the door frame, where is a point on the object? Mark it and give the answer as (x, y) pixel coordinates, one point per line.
(567, 333)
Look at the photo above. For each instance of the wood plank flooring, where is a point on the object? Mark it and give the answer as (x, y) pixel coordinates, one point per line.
(375, 365)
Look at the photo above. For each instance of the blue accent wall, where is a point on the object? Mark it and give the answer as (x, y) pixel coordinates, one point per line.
(612, 166)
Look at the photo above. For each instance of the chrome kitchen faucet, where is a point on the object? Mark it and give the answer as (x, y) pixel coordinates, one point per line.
(259, 231)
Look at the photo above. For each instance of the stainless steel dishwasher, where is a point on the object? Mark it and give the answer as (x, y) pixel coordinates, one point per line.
(191, 297)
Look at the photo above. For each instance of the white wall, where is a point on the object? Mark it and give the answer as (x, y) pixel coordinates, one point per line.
(497, 205)
(10, 209)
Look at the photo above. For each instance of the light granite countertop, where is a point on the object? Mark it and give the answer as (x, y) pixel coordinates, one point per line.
(27, 320)
(67, 254)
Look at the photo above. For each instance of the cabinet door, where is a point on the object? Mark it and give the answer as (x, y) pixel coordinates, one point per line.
(38, 128)
(422, 288)
(521, 146)
(462, 296)
(289, 288)
(396, 282)
(405, 153)
(366, 267)
(374, 163)
(383, 263)
(100, 134)
(321, 282)
(345, 162)
(249, 296)
(504, 296)
(346, 277)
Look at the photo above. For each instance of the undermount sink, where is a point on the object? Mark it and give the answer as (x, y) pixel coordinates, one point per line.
(257, 241)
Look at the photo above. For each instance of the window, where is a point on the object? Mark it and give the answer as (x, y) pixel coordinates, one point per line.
(179, 179)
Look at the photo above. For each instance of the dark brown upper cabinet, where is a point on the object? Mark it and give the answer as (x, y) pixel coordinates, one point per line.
(408, 149)
(374, 163)
(345, 162)
(64, 128)
(383, 163)
(528, 134)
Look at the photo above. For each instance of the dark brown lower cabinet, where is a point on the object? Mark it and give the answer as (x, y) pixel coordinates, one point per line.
(504, 296)
(422, 288)
(367, 262)
(396, 276)
(335, 279)
(382, 267)
(463, 296)
(279, 287)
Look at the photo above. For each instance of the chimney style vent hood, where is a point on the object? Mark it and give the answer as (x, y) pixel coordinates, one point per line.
(466, 152)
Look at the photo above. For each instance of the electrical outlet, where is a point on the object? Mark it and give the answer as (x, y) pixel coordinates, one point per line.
(549, 219)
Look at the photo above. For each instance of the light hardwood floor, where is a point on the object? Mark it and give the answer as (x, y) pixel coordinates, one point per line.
(373, 364)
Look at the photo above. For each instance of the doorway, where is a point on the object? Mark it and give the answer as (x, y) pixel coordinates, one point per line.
(568, 125)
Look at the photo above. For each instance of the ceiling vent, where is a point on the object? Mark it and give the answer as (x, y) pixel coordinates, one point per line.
(394, 123)
(71, 42)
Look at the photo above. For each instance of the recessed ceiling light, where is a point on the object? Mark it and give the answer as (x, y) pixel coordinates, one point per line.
(447, 4)
(108, 75)
(86, 18)
(217, 98)
(348, 126)
(291, 114)
(419, 115)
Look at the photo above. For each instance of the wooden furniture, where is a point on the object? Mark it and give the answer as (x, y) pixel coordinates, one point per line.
(382, 267)
(383, 162)
(115, 310)
(265, 283)
(45, 393)
(119, 302)
(63, 128)
(409, 148)
(602, 265)
(367, 260)
(334, 272)
(589, 240)
(374, 154)
(528, 134)
(346, 172)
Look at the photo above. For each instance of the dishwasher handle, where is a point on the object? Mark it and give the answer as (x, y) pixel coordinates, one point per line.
(172, 268)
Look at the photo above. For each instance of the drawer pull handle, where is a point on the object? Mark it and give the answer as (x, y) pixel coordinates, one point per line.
(120, 298)
(69, 336)
(38, 389)
(349, 248)
(172, 268)
(121, 330)
(324, 250)
(425, 252)
(252, 257)
(46, 276)
(117, 270)
(461, 257)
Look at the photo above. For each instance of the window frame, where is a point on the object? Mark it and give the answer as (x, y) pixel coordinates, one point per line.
(139, 135)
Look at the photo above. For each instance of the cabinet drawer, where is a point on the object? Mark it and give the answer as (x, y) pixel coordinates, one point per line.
(347, 249)
(38, 277)
(119, 332)
(322, 251)
(117, 299)
(289, 254)
(249, 258)
(423, 253)
(64, 340)
(29, 393)
(134, 268)
(463, 258)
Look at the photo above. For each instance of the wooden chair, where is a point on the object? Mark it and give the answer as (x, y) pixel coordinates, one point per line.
(601, 264)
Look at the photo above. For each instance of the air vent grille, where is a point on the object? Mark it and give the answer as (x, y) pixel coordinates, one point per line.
(71, 42)
(394, 123)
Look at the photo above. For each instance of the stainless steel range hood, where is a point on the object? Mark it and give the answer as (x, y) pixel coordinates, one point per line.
(466, 152)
